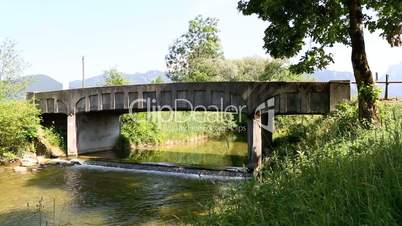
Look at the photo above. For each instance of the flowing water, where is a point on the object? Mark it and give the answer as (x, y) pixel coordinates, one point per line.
(89, 195)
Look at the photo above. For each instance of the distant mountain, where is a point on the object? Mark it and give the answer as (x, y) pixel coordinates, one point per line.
(136, 78)
(395, 72)
(42, 83)
(327, 75)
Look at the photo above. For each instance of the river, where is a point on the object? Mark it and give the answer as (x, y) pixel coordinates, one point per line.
(89, 195)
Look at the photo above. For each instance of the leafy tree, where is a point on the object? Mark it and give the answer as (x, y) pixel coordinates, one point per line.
(200, 42)
(12, 66)
(263, 69)
(113, 77)
(158, 80)
(244, 69)
(327, 22)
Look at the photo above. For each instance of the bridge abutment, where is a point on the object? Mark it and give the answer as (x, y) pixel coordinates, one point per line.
(97, 131)
(92, 132)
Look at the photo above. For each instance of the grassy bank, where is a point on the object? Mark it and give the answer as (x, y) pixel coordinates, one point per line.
(325, 171)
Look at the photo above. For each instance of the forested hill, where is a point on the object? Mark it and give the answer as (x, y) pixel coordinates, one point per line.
(42, 83)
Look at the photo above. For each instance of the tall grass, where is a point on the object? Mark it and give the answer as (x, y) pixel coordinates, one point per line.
(158, 127)
(332, 172)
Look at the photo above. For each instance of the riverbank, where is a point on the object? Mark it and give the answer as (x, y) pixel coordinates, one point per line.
(324, 171)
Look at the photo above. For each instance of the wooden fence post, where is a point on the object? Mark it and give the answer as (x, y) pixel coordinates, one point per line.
(386, 87)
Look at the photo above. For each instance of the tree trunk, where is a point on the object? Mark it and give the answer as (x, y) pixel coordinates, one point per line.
(361, 69)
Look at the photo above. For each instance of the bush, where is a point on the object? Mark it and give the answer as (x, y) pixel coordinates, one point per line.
(338, 174)
(139, 130)
(54, 138)
(19, 123)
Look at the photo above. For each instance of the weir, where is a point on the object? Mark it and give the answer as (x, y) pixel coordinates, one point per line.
(92, 114)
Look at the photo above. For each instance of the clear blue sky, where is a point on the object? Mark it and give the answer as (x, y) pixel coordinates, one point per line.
(134, 35)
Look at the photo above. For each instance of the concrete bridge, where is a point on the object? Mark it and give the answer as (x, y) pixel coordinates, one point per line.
(90, 116)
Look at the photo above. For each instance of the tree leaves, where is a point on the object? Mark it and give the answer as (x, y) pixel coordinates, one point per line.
(200, 42)
(11, 68)
(113, 77)
(388, 19)
(326, 22)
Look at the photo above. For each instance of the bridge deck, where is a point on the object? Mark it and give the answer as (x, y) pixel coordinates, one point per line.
(290, 97)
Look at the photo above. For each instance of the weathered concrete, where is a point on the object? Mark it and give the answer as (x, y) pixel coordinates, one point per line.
(254, 141)
(266, 134)
(290, 97)
(93, 113)
(97, 131)
(72, 149)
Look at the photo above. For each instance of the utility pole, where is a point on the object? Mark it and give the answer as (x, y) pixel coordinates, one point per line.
(83, 72)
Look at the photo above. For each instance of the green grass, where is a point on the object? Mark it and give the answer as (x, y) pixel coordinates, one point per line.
(324, 171)
(158, 127)
(54, 138)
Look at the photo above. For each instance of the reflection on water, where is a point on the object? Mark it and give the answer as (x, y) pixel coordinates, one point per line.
(210, 154)
(85, 196)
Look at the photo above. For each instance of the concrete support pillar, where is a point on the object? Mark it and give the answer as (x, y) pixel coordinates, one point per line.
(266, 135)
(72, 135)
(254, 142)
(267, 119)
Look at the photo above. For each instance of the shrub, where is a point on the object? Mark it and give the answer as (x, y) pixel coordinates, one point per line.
(19, 123)
(139, 129)
(54, 138)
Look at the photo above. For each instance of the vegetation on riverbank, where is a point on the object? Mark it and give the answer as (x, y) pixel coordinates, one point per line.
(326, 170)
(159, 127)
(19, 123)
(22, 132)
